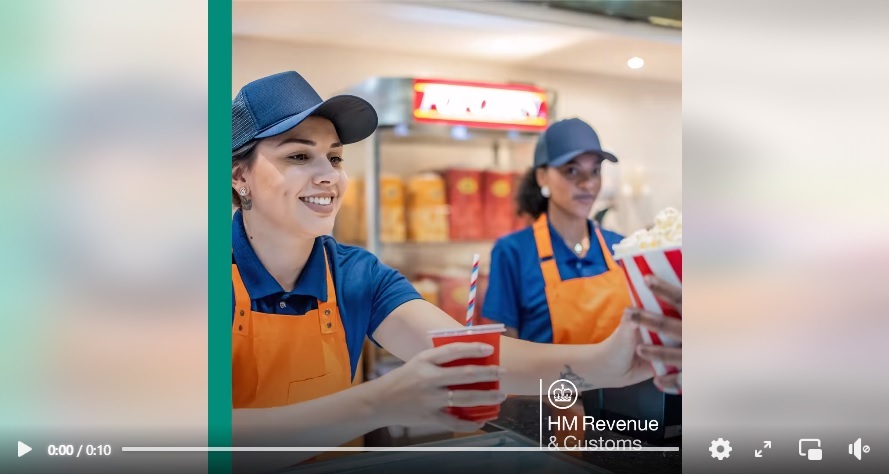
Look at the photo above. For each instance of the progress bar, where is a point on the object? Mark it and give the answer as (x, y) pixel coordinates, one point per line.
(241, 449)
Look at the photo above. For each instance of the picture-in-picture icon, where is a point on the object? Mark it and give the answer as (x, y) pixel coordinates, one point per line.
(812, 454)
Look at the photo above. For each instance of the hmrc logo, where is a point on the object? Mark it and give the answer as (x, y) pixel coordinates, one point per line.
(562, 394)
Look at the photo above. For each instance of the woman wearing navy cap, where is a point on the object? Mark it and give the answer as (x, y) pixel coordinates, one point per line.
(303, 303)
(570, 290)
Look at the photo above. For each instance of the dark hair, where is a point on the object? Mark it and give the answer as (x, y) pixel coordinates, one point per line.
(243, 156)
(528, 198)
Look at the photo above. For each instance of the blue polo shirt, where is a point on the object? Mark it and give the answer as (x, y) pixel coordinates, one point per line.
(366, 289)
(515, 294)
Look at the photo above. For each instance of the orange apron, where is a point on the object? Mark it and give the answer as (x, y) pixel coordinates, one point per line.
(582, 310)
(279, 359)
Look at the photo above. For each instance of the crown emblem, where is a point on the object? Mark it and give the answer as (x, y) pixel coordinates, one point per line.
(563, 394)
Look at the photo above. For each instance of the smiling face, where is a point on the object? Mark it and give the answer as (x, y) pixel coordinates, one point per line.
(574, 185)
(296, 179)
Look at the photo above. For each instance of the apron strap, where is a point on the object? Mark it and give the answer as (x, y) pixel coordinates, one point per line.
(327, 309)
(606, 252)
(242, 303)
(541, 236)
(548, 265)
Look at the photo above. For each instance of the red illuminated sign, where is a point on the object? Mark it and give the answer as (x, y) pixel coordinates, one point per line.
(481, 105)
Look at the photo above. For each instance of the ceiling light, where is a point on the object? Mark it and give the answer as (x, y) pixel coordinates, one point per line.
(459, 132)
(401, 130)
(635, 62)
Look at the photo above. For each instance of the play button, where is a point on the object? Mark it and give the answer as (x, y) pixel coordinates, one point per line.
(23, 449)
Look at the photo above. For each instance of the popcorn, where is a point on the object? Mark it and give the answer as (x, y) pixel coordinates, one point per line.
(667, 232)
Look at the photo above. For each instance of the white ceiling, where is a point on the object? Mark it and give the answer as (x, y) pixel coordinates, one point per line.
(499, 32)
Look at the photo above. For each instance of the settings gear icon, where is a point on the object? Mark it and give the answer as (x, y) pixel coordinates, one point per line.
(720, 449)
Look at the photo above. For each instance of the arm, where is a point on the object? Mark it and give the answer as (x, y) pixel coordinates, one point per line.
(327, 421)
(412, 395)
(502, 301)
(611, 363)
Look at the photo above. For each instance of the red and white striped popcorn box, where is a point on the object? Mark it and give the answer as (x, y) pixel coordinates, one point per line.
(666, 264)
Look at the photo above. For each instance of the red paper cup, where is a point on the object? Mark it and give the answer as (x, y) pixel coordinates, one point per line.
(488, 334)
(666, 264)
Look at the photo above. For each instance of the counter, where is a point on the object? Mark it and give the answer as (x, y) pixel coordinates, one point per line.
(517, 428)
(520, 456)
(521, 416)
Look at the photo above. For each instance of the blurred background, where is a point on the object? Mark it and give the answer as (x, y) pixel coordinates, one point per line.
(431, 188)
(786, 237)
(104, 237)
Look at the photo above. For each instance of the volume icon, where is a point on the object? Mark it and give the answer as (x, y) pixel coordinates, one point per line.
(856, 449)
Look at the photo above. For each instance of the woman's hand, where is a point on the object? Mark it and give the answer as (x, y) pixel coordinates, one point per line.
(625, 367)
(670, 327)
(417, 392)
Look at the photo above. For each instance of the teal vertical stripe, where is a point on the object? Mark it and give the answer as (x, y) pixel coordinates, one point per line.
(219, 229)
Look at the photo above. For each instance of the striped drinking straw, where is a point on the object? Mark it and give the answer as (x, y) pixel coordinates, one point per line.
(473, 283)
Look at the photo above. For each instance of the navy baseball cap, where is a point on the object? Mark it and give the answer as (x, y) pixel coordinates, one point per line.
(564, 140)
(274, 104)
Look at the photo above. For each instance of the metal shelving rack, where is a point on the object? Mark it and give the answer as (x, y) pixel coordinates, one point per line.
(393, 99)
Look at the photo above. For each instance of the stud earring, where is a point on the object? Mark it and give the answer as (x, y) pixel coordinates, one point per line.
(545, 192)
(243, 191)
